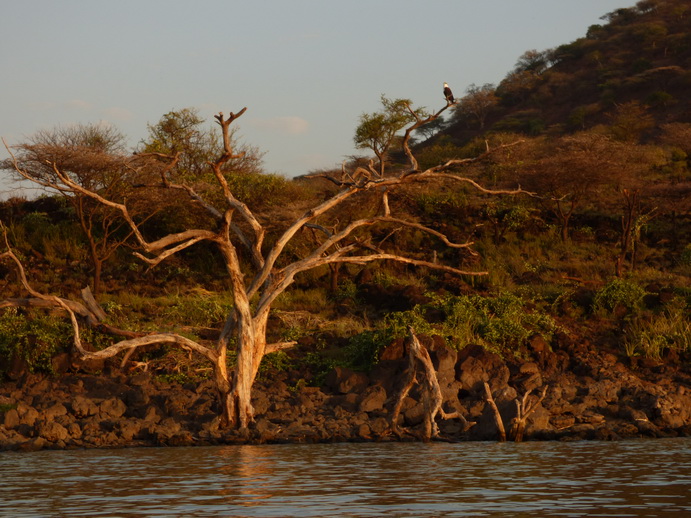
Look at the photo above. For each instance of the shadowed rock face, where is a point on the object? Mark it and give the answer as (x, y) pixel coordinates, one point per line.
(591, 395)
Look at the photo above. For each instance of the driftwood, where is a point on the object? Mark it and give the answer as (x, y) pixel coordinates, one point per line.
(524, 407)
(421, 370)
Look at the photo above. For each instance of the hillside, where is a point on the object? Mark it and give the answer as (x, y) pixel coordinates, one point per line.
(640, 54)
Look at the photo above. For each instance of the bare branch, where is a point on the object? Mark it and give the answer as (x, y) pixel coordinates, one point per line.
(419, 122)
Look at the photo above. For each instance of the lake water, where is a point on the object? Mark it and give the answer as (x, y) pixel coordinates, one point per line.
(630, 478)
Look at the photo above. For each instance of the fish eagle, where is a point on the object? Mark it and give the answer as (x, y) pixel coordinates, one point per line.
(448, 94)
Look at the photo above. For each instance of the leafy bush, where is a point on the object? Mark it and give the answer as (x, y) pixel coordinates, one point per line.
(198, 308)
(649, 337)
(500, 323)
(362, 351)
(35, 340)
(619, 293)
(275, 361)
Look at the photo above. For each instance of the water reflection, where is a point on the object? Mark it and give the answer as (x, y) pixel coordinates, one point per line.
(247, 473)
(636, 478)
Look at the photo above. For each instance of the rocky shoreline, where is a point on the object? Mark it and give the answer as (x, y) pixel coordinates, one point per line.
(591, 394)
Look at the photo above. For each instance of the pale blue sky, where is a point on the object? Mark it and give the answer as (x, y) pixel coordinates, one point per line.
(305, 69)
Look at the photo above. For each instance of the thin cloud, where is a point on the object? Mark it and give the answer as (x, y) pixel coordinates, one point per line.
(288, 125)
(79, 104)
(118, 114)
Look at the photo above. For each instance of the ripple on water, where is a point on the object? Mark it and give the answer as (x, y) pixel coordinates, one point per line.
(632, 478)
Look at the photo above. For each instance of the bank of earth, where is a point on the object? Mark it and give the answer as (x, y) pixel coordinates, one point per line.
(591, 394)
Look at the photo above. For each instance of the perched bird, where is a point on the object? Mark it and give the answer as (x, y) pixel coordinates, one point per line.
(448, 94)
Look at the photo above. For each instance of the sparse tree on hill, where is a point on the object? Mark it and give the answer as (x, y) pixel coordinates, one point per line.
(378, 131)
(478, 103)
(93, 157)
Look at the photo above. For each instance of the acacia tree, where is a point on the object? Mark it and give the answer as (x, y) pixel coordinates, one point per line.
(377, 131)
(572, 171)
(478, 102)
(182, 132)
(258, 273)
(93, 156)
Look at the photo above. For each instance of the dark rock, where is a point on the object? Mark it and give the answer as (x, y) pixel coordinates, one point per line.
(52, 431)
(379, 426)
(373, 399)
(343, 380)
(89, 366)
(476, 366)
(605, 390)
(261, 403)
(394, 351)
(136, 397)
(112, 407)
(83, 407)
(561, 422)
(58, 409)
(11, 419)
(61, 363)
(414, 415)
(443, 358)
(347, 402)
(36, 444)
(17, 369)
(74, 430)
(538, 422)
(128, 429)
(27, 414)
(153, 415)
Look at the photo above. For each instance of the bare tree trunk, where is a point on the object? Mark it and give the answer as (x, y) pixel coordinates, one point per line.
(420, 364)
(497, 416)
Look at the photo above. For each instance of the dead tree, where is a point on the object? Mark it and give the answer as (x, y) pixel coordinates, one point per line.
(501, 431)
(260, 274)
(524, 407)
(421, 371)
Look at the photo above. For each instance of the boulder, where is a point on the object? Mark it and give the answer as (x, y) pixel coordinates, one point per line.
(476, 366)
(52, 431)
(373, 398)
(342, 380)
(83, 407)
(58, 409)
(11, 419)
(27, 414)
(112, 407)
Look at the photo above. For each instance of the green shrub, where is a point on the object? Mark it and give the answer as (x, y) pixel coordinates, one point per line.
(619, 293)
(501, 323)
(362, 351)
(649, 337)
(37, 338)
(198, 308)
(275, 361)
(34, 340)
